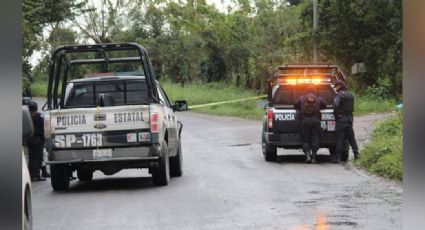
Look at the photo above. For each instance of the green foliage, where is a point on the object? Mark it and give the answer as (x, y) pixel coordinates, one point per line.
(367, 104)
(191, 41)
(201, 93)
(384, 154)
(39, 89)
(37, 15)
(368, 32)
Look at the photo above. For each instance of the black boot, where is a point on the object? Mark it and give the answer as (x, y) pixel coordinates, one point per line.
(356, 155)
(336, 159)
(313, 157)
(307, 157)
(38, 178)
(44, 172)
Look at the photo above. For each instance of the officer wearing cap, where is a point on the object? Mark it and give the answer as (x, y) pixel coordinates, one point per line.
(343, 111)
(309, 106)
(35, 143)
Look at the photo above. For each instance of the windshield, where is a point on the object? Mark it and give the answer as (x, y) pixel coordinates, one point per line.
(288, 94)
(121, 92)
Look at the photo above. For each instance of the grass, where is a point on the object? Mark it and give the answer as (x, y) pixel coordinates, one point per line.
(384, 154)
(202, 93)
(39, 89)
(365, 105)
(197, 94)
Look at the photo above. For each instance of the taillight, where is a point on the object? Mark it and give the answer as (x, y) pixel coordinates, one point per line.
(47, 127)
(154, 122)
(270, 119)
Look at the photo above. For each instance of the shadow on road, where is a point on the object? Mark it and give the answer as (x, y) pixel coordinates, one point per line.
(300, 159)
(108, 184)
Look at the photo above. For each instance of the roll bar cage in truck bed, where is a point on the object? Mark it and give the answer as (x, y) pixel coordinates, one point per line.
(62, 57)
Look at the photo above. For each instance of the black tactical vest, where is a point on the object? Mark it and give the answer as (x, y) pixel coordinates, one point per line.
(346, 106)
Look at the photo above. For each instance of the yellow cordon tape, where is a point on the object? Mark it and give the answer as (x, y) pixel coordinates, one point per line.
(226, 102)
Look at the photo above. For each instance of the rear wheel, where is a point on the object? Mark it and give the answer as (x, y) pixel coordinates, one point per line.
(161, 174)
(269, 152)
(84, 175)
(176, 163)
(59, 176)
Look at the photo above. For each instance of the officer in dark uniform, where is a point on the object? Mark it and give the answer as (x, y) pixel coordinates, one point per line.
(309, 106)
(35, 143)
(343, 111)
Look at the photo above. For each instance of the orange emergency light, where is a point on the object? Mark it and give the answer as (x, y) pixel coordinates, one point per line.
(303, 80)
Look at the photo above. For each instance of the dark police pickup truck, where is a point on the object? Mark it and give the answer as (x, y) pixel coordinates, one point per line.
(281, 122)
(106, 111)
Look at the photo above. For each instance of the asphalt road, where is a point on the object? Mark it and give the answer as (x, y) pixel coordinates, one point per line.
(227, 185)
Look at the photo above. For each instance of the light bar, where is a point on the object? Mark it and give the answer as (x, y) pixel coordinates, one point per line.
(295, 81)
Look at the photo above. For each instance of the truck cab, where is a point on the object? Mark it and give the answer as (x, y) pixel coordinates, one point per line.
(281, 122)
(106, 111)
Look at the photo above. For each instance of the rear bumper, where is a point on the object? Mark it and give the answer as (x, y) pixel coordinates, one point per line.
(293, 140)
(126, 154)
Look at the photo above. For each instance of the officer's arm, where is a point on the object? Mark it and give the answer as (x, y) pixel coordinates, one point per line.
(40, 126)
(297, 104)
(322, 104)
(337, 101)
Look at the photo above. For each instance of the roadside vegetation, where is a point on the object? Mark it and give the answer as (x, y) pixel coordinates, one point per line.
(384, 154)
(203, 93)
(199, 93)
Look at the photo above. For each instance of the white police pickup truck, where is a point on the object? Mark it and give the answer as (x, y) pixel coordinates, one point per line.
(109, 121)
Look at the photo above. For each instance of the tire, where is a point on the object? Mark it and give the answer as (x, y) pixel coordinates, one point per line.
(27, 210)
(59, 177)
(161, 174)
(269, 152)
(176, 163)
(84, 175)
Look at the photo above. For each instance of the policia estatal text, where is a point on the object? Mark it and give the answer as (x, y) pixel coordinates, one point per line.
(343, 111)
(309, 106)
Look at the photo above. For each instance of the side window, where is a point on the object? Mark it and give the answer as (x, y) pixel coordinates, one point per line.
(163, 96)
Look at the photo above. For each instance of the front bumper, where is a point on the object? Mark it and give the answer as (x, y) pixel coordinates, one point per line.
(293, 140)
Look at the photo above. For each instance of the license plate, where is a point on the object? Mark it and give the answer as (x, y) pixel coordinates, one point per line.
(327, 116)
(331, 125)
(102, 154)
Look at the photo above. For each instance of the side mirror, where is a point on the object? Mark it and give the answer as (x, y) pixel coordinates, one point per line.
(180, 105)
(262, 104)
(27, 127)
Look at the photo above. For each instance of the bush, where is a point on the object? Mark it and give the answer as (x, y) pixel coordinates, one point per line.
(39, 89)
(384, 154)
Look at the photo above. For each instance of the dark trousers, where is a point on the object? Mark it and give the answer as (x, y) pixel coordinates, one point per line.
(344, 131)
(310, 134)
(35, 159)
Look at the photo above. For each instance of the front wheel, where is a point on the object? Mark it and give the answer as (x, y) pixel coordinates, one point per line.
(176, 163)
(161, 174)
(59, 176)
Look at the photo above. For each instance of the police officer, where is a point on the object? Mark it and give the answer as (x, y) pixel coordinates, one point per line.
(309, 106)
(343, 111)
(35, 143)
